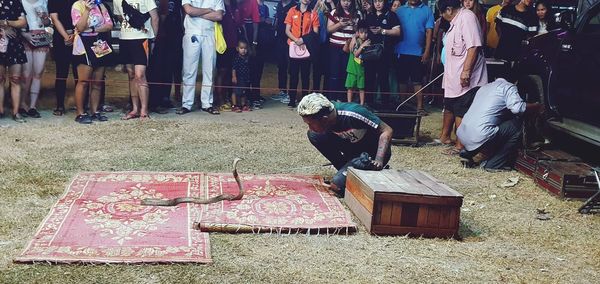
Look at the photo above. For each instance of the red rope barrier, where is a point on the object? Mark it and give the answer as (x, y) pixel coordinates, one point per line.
(197, 84)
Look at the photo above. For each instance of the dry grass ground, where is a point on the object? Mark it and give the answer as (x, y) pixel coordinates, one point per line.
(503, 240)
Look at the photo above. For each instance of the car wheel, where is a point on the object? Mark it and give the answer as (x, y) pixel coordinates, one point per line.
(531, 89)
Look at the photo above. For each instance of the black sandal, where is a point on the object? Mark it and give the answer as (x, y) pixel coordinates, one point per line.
(211, 110)
(58, 112)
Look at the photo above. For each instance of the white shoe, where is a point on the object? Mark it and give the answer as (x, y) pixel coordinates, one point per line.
(279, 96)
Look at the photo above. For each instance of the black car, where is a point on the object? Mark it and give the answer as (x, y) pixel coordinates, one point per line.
(562, 70)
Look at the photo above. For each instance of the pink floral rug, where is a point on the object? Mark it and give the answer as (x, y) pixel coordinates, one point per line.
(99, 219)
(274, 204)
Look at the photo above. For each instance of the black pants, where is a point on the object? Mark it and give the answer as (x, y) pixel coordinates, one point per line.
(283, 60)
(63, 56)
(299, 67)
(338, 61)
(320, 69)
(257, 64)
(166, 63)
(377, 75)
(340, 152)
(503, 145)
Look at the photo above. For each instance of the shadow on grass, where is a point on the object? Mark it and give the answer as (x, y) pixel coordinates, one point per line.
(467, 233)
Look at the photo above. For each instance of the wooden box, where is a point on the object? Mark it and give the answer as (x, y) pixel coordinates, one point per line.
(400, 202)
(406, 126)
(527, 161)
(566, 179)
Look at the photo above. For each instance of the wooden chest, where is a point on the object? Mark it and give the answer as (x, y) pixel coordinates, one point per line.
(400, 202)
(566, 179)
(527, 161)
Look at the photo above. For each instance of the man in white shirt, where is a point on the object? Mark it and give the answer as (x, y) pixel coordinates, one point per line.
(134, 48)
(199, 40)
(491, 129)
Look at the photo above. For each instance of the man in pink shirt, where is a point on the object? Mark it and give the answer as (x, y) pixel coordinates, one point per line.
(465, 65)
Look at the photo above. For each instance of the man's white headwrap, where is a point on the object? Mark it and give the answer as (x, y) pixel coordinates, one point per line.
(313, 104)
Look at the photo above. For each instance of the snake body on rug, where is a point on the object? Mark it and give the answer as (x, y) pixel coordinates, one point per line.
(196, 200)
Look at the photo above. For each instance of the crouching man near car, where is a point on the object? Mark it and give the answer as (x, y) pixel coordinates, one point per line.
(347, 134)
(491, 129)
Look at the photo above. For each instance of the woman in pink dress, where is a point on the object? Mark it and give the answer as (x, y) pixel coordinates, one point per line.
(464, 68)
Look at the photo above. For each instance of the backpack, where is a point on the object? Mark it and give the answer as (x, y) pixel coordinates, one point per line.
(135, 18)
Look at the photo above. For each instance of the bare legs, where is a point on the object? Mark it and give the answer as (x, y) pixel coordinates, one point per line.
(361, 96)
(32, 75)
(15, 86)
(86, 74)
(138, 87)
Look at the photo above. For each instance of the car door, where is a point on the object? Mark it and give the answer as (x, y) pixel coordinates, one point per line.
(583, 102)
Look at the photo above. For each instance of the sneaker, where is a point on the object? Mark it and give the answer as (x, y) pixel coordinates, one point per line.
(285, 100)
(83, 119)
(291, 105)
(99, 117)
(18, 118)
(256, 105)
(236, 109)
(246, 108)
(33, 113)
(279, 96)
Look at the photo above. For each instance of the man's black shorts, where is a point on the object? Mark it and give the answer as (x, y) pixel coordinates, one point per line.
(134, 51)
(410, 68)
(460, 105)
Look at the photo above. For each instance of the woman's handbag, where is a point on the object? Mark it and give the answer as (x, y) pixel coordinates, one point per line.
(40, 38)
(372, 52)
(299, 52)
(220, 43)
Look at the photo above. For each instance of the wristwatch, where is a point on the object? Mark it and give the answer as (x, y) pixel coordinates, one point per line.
(382, 31)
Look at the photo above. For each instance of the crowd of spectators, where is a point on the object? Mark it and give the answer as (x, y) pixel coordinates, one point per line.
(347, 45)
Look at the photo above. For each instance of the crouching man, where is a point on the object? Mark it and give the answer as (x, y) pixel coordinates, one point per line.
(343, 132)
(491, 129)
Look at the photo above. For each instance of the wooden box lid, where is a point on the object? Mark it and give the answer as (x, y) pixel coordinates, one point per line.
(405, 182)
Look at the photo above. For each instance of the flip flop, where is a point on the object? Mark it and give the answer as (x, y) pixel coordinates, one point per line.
(438, 142)
(130, 116)
(453, 151)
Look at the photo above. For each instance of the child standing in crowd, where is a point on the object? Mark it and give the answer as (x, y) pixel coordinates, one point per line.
(240, 77)
(356, 72)
(36, 41)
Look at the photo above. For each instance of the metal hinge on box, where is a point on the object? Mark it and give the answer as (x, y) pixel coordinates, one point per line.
(592, 204)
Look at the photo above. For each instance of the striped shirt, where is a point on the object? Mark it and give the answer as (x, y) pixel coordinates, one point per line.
(355, 123)
(515, 26)
(340, 37)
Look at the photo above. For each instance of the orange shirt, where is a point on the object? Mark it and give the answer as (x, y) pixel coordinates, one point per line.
(295, 18)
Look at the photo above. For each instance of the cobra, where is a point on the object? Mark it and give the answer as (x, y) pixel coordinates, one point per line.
(196, 200)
